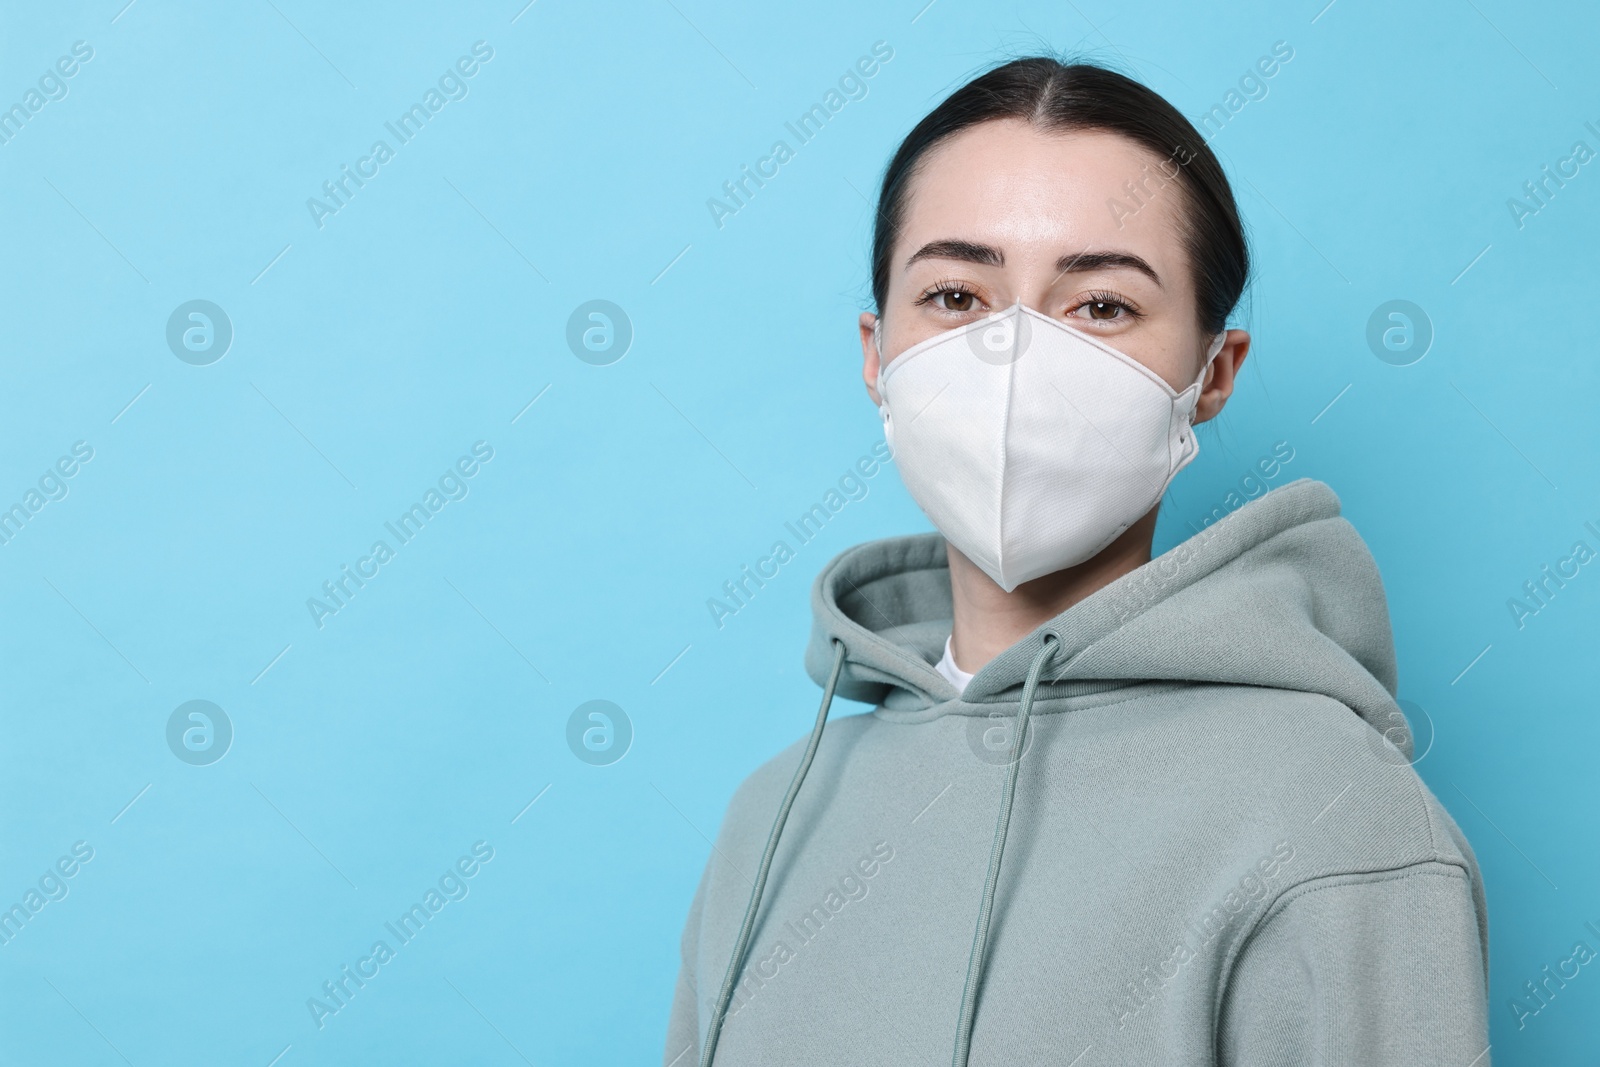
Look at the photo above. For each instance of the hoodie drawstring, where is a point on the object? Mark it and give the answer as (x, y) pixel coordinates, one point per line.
(980, 937)
(746, 932)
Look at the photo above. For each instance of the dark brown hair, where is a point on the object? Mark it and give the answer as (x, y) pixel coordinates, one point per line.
(1064, 97)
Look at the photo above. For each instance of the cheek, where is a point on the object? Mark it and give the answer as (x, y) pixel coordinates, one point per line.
(1171, 352)
(907, 325)
(909, 332)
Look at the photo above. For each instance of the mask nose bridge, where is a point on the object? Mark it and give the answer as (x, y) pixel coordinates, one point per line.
(1013, 308)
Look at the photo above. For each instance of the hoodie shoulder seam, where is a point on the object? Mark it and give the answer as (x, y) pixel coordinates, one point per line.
(1336, 879)
(1435, 868)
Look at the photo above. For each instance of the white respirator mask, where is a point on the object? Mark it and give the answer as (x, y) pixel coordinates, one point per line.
(1031, 445)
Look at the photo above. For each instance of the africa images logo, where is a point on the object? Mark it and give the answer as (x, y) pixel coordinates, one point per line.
(452, 85)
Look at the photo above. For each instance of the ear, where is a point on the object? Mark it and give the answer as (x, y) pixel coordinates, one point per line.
(1218, 384)
(870, 361)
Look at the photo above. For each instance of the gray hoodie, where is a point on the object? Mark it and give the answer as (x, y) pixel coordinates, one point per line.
(1212, 848)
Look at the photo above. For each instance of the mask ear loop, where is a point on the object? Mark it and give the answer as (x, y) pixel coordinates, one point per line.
(883, 401)
(1211, 355)
(1193, 392)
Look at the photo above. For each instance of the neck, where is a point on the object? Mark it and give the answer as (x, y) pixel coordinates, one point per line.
(988, 620)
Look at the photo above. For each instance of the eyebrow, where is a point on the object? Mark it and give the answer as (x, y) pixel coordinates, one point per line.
(969, 251)
(1086, 261)
(988, 255)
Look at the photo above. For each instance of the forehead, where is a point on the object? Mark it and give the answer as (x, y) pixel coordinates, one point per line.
(1010, 184)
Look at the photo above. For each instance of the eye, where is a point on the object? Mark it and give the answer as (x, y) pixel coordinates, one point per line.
(1104, 307)
(954, 298)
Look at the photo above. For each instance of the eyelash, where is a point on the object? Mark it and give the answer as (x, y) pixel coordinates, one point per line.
(1102, 296)
(1098, 296)
(938, 288)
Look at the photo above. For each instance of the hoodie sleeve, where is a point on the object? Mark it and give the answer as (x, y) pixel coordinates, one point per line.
(683, 1025)
(1380, 969)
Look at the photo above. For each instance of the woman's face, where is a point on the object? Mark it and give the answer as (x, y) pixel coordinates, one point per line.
(1003, 212)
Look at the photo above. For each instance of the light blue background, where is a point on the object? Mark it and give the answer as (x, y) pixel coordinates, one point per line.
(426, 315)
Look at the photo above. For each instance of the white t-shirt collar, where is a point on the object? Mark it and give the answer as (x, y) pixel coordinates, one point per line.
(947, 667)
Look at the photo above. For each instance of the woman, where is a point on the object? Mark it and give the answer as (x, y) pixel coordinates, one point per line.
(1108, 809)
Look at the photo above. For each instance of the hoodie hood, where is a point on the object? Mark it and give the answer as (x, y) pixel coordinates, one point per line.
(1282, 593)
